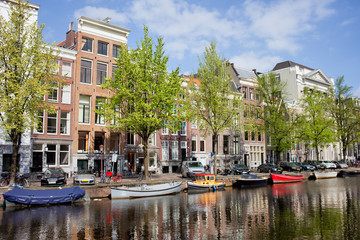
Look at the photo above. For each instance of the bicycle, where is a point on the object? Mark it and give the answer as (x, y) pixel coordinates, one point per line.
(112, 178)
(20, 179)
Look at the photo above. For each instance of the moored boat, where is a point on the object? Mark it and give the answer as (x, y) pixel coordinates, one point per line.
(29, 197)
(343, 173)
(250, 180)
(146, 190)
(205, 182)
(285, 178)
(324, 175)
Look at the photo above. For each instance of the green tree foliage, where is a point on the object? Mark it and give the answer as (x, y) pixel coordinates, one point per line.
(276, 117)
(26, 67)
(316, 125)
(147, 95)
(213, 103)
(345, 113)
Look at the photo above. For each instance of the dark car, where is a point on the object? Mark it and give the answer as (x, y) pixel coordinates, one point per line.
(240, 169)
(289, 166)
(318, 165)
(306, 167)
(269, 168)
(53, 176)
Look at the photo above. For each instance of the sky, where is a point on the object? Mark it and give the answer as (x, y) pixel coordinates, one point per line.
(253, 34)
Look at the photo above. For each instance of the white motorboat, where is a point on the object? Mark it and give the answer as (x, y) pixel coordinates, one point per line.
(323, 175)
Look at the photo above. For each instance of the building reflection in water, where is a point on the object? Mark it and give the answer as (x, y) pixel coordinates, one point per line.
(323, 209)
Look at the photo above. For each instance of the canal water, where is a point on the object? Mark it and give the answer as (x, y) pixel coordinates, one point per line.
(322, 209)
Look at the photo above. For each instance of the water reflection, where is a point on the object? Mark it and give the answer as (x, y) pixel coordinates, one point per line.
(322, 209)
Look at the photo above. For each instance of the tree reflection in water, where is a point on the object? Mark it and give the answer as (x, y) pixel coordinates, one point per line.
(322, 209)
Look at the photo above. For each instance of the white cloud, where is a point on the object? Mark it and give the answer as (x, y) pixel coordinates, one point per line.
(357, 92)
(101, 13)
(252, 60)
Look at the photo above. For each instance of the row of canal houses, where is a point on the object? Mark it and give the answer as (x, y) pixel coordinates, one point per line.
(76, 138)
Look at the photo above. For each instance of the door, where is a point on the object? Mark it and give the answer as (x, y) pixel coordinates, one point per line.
(37, 163)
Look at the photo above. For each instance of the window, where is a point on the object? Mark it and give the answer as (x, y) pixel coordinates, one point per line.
(257, 96)
(114, 143)
(99, 118)
(251, 93)
(277, 77)
(259, 137)
(101, 73)
(193, 143)
(84, 109)
(116, 116)
(40, 124)
(253, 136)
(226, 144)
(64, 154)
(66, 69)
(98, 141)
(165, 150)
(174, 150)
(164, 130)
(236, 145)
(130, 138)
(66, 93)
(65, 122)
(152, 139)
(87, 44)
(116, 51)
(83, 142)
(85, 75)
(51, 123)
(114, 67)
(53, 96)
(194, 124)
(246, 111)
(51, 154)
(183, 129)
(102, 48)
(244, 90)
(246, 136)
(202, 144)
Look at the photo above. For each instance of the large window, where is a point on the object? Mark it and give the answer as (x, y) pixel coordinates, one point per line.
(226, 144)
(84, 109)
(85, 75)
(246, 135)
(114, 143)
(88, 43)
(66, 69)
(65, 122)
(130, 138)
(164, 129)
(101, 73)
(98, 141)
(53, 96)
(165, 150)
(193, 143)
(116, 50)
(64, 154)
(51, 154)
(99, 118)
(51, 122)
(102, 48)
(202, 144)
(66, 93)
(40, 124)
(236, 145)
(251, 93)
(83, 143)
(174, 150)
(114, 67)
(183, 129)
(244, 90)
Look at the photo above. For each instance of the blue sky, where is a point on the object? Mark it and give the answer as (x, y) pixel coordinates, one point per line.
(252, 34)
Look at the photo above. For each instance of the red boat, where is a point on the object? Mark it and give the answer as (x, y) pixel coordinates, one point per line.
(284, 178)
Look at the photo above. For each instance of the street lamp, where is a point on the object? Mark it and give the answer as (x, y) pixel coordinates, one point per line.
(101, 172)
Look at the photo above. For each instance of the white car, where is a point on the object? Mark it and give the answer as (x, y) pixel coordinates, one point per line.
(329, 165)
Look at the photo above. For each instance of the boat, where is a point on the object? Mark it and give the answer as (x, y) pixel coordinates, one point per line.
(250, 180)
(146, 190)
(343, 173)
(285, 178)
(205, 182)
(30, 197)
(323, 175)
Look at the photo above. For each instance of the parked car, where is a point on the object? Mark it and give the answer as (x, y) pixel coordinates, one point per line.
(341, 165)
(318, 165)
(84, 177)
(269, 168)
(240, 169)
(329, 165)
(53, 176)
(305, 166)
(190, 168)
(289, 166)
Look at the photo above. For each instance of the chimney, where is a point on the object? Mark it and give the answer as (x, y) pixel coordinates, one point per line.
(70, 36)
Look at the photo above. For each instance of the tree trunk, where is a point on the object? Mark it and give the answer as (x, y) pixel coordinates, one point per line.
(317, 153)
(215, 137)
(146, 160)
(344, 153)
(16, 142)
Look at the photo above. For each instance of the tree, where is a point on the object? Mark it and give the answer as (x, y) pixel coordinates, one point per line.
(26, 68)
(147, 95)
(316, 125)
(345, 113)
(213, 101)
(276, 117)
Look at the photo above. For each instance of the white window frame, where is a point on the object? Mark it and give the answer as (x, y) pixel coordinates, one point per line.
(165, 150)
(99, 118)
(64, 151)
(43, 125)
(194, 138)
(66, 93)
(56, 123)
(92, 44)
(66, 70)
(183, 129)
(202, 139)
(91, 68)
(101, 81)
(82, 114)
(174, 150)
(67, 122)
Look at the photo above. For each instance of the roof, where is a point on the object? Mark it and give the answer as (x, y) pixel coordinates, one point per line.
(287, 64)
(244, 73)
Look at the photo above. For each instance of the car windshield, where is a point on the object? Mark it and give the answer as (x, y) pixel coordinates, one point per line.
(240, 166)
(292, 164)
(271, 165)
(195, 164)
(54, 171)
(84, 172)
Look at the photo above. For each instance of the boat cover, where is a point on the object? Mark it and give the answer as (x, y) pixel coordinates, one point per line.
(51, 196)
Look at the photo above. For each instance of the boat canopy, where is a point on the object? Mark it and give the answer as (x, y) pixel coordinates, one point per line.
(52, 196)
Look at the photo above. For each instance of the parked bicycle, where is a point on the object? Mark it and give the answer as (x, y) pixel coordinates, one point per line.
(21, 179)
(113, 178)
